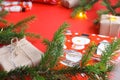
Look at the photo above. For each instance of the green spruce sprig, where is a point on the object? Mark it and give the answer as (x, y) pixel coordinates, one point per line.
(24, 22)
(17, 30)
(45, 71)
(88, 54)
(84, 5)
(2, 14)
(54, 48)
(100, 70)
(110, 9)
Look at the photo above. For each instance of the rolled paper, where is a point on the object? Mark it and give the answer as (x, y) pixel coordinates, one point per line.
(70, 3)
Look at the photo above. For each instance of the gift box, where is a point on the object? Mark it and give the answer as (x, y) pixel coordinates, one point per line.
(115, 73)
(19, 53)
(70, 3)
(109, 25)
(16, 6)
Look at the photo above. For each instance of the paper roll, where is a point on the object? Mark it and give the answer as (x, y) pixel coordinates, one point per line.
(70, 3)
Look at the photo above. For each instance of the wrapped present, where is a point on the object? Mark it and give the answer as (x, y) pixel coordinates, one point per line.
(109, 25)
(115, 73)
(19, 53)
(15, 6)
(70, 3)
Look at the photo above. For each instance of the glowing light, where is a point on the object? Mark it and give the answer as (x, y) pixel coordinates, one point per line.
(113, 18)
(82, 15)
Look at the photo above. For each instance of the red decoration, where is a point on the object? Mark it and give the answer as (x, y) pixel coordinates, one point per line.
(47, 1)
(16, 6)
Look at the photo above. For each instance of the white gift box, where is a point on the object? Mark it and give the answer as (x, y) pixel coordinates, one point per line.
(17, 54)
(110, 25)
(115, 73)
(70, 3)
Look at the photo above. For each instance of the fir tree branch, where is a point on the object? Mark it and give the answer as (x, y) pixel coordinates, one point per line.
(88, 54)
(103, 67)
(23, 22)
(32, 35)
(109, 50)
(17, 30)
(83, 6)
(117, 5)
(90, 4)
(1, 1)
(109, 9)
(3, 21)
(3, 13)
(107, 2)
(54, 48)
(76, 11)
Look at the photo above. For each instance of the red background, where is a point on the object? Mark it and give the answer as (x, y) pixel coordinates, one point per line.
(50, 17)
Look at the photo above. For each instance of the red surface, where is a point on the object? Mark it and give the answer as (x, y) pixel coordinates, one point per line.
(50, 17)
(69, 46)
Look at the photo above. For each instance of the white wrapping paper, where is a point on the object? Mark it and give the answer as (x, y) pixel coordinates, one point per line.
(115, 73)
(70, 3)
(21, 53)
(109, 25)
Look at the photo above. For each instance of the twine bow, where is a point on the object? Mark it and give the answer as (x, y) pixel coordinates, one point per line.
(14, 49)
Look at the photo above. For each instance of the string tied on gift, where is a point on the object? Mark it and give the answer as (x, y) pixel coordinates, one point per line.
(43, 72)
(14, 50)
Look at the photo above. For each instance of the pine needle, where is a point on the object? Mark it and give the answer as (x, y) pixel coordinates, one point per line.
(54, 48)
(24, 21)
